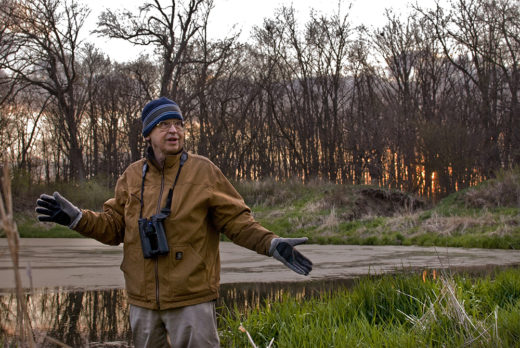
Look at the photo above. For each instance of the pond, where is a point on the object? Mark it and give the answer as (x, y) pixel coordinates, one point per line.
(100, 318)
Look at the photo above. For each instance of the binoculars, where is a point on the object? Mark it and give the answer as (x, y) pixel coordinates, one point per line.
(153, 237)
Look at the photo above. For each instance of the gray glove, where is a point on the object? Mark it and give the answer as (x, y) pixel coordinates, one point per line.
(283, 250)
(57, 209)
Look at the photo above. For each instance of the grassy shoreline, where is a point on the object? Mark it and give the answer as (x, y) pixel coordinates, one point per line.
(486, 216)
(389, 311)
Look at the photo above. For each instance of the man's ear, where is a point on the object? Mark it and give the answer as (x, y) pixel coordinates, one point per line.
(147, 139)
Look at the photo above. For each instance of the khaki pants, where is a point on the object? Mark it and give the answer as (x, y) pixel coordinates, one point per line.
(191, 326)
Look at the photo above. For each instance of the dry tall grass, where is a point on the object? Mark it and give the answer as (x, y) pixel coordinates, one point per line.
(499, 192)
(24, 329)
(447, 305)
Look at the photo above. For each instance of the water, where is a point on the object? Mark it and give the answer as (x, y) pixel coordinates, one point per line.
(78, 319)
(100, 318)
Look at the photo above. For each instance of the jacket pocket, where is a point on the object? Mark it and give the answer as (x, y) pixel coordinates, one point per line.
(133, 270)
(132, 208)
(190, 274)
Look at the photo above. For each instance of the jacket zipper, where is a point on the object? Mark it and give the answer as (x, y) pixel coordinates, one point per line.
(157, 282)
(156, 258)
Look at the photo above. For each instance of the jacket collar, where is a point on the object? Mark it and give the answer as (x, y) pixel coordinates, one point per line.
(169, 161)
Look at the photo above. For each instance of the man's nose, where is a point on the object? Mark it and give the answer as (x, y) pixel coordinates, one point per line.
(173, 129)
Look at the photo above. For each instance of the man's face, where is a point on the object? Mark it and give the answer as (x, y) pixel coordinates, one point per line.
(167, 138)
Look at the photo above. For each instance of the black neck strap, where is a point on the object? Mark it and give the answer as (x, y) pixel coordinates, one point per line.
(167, 208)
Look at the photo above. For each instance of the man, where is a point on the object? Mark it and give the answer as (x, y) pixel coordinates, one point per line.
(169, 209)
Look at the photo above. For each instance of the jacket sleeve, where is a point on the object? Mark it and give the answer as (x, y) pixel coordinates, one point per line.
(233, 217)
(108, 226)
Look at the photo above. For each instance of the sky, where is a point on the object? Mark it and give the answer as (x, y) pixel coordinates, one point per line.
(245, 14)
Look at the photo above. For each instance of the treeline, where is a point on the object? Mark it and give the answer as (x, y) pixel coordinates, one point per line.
(427, 103)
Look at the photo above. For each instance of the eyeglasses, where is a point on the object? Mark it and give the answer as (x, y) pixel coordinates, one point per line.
(165, 125)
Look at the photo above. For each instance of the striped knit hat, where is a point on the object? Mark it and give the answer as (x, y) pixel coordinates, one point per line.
(159, 110)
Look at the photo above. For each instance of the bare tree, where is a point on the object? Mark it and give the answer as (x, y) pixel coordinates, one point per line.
(8, 46)
(142, 76)
(304, 79)
(168, 28)
(96, 67)
(367, 126)
(117, 93)
(27, 109)
(470, 45)
(503, 16)
(396, 45)
(208, 89)
(329, 46)
(47, 32)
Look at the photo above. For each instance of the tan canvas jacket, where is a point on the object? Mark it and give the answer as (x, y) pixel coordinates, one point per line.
(204, 204)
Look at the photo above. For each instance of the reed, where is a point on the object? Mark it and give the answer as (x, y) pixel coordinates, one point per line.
(24, 329)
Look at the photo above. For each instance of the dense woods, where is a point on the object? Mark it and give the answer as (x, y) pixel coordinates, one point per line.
(427, 103)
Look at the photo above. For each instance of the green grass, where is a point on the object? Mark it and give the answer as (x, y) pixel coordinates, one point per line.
(389, 311)
(29, 227)
(30, 230)
(497, 228)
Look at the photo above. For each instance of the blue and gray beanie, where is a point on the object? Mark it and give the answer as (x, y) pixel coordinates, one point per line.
(159, 110)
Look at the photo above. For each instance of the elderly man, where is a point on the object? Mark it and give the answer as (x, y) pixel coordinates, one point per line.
(169, 210)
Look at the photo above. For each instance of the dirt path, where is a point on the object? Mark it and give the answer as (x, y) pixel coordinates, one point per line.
(88, 264)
